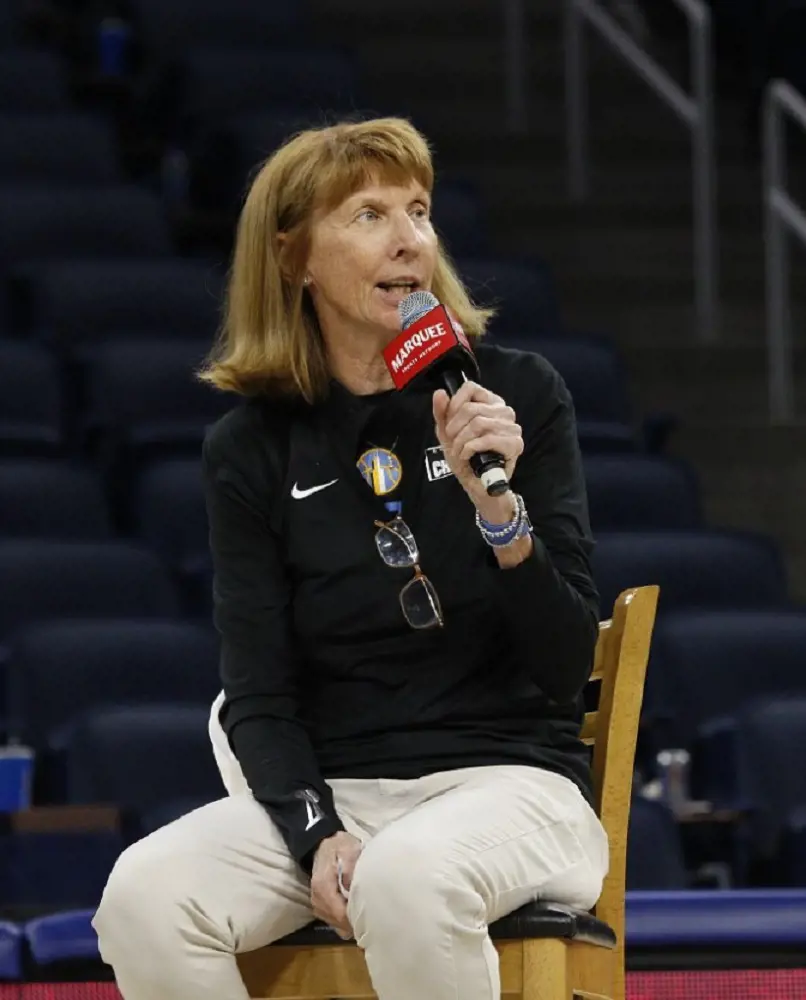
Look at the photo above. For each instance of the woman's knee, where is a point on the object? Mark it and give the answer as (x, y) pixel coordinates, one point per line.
(144, 894)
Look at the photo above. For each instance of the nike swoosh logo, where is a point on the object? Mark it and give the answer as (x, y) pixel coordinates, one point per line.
(313, 816)
(299, 494)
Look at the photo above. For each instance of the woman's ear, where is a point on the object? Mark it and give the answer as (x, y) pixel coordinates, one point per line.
(288, 251)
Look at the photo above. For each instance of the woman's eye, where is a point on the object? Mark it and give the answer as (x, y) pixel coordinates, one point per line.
(368, 213)
(421, 212)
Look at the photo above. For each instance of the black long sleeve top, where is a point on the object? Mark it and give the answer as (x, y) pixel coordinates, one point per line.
(323, 676)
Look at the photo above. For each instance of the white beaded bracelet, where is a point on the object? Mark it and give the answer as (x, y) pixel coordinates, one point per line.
(500, 535)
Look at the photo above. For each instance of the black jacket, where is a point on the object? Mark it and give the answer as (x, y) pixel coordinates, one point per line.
(323, 676)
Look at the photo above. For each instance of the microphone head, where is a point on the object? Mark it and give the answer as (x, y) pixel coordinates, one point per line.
(414, 306)
(430, 341)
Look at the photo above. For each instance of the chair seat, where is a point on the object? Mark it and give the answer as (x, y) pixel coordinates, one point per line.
(535, 920)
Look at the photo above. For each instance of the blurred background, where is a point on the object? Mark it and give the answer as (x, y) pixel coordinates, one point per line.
(622, 180)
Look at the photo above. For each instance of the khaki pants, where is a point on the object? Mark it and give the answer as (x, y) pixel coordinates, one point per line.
(444, 856)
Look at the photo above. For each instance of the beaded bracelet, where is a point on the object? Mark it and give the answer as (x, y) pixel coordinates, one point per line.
(499, 535)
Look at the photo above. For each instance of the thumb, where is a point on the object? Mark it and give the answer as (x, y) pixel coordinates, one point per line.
(440, 404)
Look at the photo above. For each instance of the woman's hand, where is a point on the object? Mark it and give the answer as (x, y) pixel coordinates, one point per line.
(475, 420)
(327, 901)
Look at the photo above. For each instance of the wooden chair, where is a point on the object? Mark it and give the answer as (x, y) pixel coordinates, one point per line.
(547, 951)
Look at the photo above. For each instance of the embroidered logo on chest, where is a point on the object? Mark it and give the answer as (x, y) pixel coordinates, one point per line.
(382, 470)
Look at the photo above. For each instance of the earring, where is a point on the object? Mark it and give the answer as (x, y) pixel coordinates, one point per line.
(306, 280)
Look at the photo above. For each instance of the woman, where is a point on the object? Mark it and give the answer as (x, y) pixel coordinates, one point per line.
(406, 713)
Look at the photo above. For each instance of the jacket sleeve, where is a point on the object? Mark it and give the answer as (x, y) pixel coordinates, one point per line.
(258, 665)
(551, 599)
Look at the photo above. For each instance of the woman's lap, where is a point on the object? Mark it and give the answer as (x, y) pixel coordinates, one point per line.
(513, 832)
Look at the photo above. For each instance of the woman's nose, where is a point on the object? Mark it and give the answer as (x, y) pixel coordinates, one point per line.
(406, 237)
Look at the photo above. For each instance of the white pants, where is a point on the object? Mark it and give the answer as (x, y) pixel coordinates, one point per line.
(444, 856)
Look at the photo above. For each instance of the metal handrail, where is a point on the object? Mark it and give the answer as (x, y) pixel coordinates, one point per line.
(695, 109)
(780, 214)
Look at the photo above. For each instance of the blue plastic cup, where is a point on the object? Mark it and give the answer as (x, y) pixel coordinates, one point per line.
(16, 778)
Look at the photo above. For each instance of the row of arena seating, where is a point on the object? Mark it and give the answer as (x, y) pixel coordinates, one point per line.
(140, 393)
(153, 763)
(95, 645)
(45, 948)
(702, 569)
(52, 206)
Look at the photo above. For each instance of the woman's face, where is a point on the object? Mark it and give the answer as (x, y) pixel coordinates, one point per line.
(367, 254)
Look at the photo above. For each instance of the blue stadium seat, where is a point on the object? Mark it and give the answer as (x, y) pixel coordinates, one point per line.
(142, 757)
(40, 498)
(171, 25)
(31, 80)
(63, 148)
(11, 952)
(84, 301)
(705, 666)
(606, 437)
(31, 401)
(48, 579)
(221, 81)
(593, 370)
(458, 216)
(523, 293)
(594, 374)
(48, 222)
(224, 155)
(61, 937)
(654, 852)
(145, 397)
(641, 491)
(59, 670)
(699, 568)
(771, 744)
(171, 518)
(710, 663)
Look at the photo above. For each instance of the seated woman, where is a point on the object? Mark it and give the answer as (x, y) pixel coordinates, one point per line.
(402, 655)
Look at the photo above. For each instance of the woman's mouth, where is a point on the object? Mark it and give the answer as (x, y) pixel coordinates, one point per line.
(394, 292)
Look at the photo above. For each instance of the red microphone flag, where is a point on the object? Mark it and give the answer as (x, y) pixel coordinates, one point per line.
(424, 342)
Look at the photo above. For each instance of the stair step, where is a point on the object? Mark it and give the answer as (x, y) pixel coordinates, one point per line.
(635, 320)
(719, 384)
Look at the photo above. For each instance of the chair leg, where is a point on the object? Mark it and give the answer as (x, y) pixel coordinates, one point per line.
(619, 984)
(545, 970)
(592, 972)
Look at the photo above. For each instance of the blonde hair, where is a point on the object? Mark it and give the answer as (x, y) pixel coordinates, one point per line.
(270, 339)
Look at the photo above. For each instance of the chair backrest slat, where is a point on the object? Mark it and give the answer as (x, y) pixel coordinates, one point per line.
(620, 663)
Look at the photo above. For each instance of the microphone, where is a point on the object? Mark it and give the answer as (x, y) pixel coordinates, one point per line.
(434, 345)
